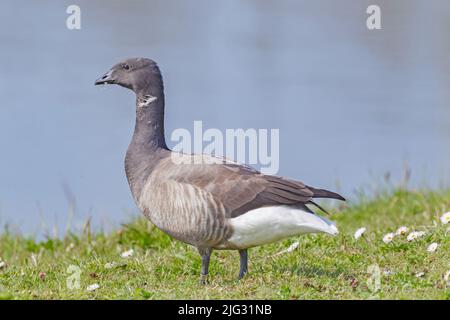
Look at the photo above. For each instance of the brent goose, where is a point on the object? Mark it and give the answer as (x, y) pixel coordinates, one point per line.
(208, 204)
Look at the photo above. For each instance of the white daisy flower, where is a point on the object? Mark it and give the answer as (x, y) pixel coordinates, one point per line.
(445, 218)
(447, 275)
(70, 247)
(401, 231)
(432, 247)
(420, 274)
(359, 233)
(388, 237)
(127, 254)
(2, 264)
(414, 235)
(93, 287)
(291, 248)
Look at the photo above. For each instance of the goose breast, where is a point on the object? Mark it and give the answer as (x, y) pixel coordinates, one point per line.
(184, 211)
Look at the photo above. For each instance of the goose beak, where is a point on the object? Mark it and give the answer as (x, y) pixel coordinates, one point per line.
(105, 79)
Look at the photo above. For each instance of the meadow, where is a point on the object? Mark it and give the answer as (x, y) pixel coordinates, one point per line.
(137, 261)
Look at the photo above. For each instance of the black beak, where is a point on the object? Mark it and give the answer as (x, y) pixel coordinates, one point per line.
(105, 79)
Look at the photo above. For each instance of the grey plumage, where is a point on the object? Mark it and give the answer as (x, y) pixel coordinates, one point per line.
(194, 203)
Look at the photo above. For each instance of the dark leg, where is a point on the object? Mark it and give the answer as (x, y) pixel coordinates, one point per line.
(206, 255)
(244, 263)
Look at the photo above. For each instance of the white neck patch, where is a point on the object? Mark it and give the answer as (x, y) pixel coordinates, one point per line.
(146, 100)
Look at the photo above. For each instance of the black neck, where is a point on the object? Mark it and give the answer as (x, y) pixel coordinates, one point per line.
(149, 129)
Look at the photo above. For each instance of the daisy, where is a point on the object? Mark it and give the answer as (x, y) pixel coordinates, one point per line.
(414, 235)
(432, 247)
(70, 247)
(447, 275)
(127, 254)
(291, 248)
(420, 274)
(93, 287)
(445, 218)
(401, 231)
(359, 233)
(2, 264)
(388, 237)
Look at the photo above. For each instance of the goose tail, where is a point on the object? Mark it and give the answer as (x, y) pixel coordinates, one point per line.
(322, 193)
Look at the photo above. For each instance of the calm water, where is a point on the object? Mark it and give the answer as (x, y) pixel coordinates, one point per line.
(351, 104)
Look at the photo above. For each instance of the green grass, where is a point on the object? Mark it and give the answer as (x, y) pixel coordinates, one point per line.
(322, 267)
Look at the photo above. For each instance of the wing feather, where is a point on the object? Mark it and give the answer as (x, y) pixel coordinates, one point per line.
(240, 188)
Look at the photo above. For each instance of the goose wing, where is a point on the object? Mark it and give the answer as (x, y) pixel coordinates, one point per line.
(240, 188)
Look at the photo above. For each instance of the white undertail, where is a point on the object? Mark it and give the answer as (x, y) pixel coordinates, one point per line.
(269, 224)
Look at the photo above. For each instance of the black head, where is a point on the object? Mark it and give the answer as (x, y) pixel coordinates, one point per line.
(138, 74)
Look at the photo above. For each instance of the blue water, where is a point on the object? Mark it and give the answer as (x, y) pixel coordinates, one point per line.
(351, 104)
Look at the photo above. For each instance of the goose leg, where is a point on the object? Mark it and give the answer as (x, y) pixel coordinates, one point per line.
(206, 256)
(243, 263)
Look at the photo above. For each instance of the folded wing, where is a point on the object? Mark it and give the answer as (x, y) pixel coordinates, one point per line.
(240, 188)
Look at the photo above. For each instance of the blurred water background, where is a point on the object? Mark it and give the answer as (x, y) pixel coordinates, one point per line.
(351, 104)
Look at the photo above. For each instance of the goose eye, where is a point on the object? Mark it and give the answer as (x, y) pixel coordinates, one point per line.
(126, 67)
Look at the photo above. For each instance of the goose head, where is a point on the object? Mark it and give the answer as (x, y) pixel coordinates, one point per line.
(140, 75)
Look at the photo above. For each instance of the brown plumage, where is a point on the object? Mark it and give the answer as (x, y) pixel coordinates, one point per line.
(208, 203)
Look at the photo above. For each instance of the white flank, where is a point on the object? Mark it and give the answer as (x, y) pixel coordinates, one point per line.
(270, 224)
